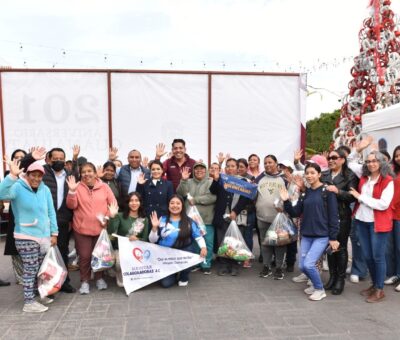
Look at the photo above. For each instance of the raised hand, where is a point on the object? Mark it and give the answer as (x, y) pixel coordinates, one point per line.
(76, 149)
(99, 171)
(145, 162)
(113, 209)
(364, 143)
(141, 179)
(297, 155)
(220, 158)
(14, 166)
(155, 221)
(38, 152)
(325, 154)
(72, 184)
(160, 150)
(113, 153)
(185, 173)
(284, 194)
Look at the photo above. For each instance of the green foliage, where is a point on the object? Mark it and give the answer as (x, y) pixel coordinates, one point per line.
(319, 131)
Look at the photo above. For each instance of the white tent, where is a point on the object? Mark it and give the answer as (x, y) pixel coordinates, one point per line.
(384, 126)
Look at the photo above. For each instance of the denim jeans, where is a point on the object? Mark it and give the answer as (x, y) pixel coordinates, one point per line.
(373, 246)
(172, 279)
(393, 251)
(209, 238)
(248, 230)
(358, 264)
(311, 249)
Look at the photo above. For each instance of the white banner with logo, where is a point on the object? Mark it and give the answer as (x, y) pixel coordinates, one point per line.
(143, 263)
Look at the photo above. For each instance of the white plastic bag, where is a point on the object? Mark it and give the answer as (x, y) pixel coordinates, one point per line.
(233, 245)
(52, 273)
(281, 232)
(103, 256)
(194, 214)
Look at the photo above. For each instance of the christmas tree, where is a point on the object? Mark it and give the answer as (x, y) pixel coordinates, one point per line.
(376, 71)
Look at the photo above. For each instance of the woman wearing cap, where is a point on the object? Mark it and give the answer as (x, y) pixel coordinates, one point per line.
(89, 200)
(196, 192)
(374, 219)
(339, 179)
(35, 225)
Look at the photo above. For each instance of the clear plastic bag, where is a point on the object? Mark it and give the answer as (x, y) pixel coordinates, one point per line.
(103, 256)
(233, 245)
(194, 214)
(281, 232)
(52, 273)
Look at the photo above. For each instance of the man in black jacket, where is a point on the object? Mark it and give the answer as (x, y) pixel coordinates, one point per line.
(55, 178)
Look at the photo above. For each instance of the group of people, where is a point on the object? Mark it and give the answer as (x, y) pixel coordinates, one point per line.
(329, 198)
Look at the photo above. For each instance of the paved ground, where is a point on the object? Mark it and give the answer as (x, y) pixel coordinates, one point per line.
(211, 307)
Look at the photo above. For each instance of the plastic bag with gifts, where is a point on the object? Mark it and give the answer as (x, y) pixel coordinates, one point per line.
(281, 232)
(233, 245)
(194, 214)
(103, 256)
(52, 273)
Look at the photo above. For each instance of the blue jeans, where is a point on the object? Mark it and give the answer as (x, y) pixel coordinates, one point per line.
(373, 246)
(358, 264)
(248, 230)
(393, 251)
(172, 279)
(311, 249)
(209, 238)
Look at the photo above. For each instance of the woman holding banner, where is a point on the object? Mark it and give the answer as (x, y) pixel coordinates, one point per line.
(176, 230)
(131, 222)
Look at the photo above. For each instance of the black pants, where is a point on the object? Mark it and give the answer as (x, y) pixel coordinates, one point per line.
(63, 242)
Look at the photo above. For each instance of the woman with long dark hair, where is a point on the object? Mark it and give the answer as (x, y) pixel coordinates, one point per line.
(339, 179)
(176, 230)
(131, 222)
(374, 218)
(393, 247)
(319, 226)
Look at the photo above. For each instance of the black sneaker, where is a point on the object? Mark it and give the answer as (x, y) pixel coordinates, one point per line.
(290, 268)
(223, 271)
(260, 259)
(278, 275)
(206, 271)
(265, 272)
(234, 271)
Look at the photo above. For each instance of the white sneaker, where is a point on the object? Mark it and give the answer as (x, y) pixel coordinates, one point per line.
(46, 300)
(318, 295)
(309, 283)
(310, 290)
(120, 283)
(397, 289)
(354, 278)
(85, 289)
(301, 278)
(101, 284)
(183, 283)
(348, 270)
(392, 280)
(34, 307)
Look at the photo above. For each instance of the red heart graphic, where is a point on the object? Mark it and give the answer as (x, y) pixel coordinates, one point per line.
(137, 254)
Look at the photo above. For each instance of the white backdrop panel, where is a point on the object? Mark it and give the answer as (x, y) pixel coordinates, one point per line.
(255, 114)
(54, 109)
(152, 108)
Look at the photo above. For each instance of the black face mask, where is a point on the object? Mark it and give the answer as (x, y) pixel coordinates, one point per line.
(58, 165)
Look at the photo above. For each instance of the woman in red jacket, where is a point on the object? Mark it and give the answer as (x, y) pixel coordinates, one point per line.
(373, 218)
(89, 200)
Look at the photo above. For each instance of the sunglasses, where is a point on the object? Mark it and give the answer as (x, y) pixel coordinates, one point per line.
(333, 158)
(371, 161)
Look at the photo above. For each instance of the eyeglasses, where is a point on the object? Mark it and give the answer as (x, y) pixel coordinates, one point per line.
(333, 158)
(371, 161)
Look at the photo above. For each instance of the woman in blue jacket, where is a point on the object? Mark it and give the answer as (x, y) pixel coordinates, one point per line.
(156, 191)
(319, 226)
(35, 224)
(176, 230)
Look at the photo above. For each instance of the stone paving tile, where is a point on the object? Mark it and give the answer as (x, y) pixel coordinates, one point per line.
(211, 307)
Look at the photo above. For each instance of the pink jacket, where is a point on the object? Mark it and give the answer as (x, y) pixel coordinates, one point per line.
(88, 205)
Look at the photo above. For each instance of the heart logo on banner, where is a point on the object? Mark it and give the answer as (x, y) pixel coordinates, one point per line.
(138, 254)
(146, 255)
